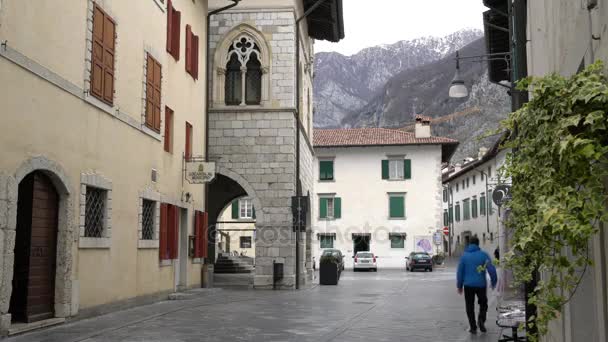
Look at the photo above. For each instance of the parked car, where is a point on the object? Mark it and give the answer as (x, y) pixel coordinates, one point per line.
(338, 254)
(419, 260)
(365, 261)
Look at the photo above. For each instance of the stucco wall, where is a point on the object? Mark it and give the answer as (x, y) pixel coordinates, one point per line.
(365, 203)
(46, 112)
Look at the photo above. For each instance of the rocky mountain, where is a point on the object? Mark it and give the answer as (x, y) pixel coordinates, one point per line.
(345, 100)
(345, 84)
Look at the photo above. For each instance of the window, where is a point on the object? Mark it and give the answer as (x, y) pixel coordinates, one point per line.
(457, 212)
(446, 219)
(330, 207)
(168, 130)
(326, 170)
(188, 149)
(102, 57)
(396, 206)
(95, 207)
(482, 203)
(463, 183)
(474, 207)
(243, 73)
(147, 219)
(153, 88)
(397, 240)
(489, 172)
(451, 214)
(456, 187)
(245, 241)
(490, 207)
(169, 231)
(395, 169)
(173, 30)
(474, 179)
(482, 175)
(467, 182)
(191, 53)
(466, 209)
(445, 195)
(326, 240)
(245, 208)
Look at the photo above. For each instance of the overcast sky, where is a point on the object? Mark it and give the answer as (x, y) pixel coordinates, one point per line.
(368, 23)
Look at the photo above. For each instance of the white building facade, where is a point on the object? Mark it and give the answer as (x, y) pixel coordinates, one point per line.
(377, 190)
(468, 209)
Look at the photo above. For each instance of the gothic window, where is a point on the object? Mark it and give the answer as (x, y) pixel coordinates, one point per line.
(243, 73)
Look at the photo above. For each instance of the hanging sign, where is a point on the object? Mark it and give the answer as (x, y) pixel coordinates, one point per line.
(200, 172)
(501, 194)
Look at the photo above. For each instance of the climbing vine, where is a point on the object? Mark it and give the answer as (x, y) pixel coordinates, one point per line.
(558, 168)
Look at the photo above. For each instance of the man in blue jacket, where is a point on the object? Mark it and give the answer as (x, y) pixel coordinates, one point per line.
(472, 277)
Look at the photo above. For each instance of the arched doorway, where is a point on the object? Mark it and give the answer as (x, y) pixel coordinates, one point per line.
(35, 252)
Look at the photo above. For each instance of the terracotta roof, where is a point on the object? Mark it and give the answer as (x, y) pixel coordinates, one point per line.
(371, 137)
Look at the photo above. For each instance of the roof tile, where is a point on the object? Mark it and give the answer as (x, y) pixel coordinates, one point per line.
(370, 137)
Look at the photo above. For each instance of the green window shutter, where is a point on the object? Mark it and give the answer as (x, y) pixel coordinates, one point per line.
(337, 207)
(451, 214)
(385, 169)
(407, 168)
(397, 207)
(445, 218)
(474, 208)
(458, 213)
(397, 241)
(482, 205)
(326, 170)
(235, 209)
(323, 208)
(327, 241)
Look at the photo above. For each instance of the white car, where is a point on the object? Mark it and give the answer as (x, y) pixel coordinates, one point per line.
(365, 261)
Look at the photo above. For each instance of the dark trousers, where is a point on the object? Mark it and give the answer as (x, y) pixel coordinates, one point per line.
(482, 299)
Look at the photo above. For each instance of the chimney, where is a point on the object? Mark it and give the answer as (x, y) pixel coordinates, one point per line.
(482, 152)
(457, 167)
(422, 127)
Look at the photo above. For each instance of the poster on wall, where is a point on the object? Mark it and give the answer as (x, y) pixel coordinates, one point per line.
(423, 244)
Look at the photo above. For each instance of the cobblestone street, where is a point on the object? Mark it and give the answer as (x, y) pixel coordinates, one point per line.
(390, 305)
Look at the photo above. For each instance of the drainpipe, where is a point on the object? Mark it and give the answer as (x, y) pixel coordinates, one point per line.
(297, 120)
(207, 98)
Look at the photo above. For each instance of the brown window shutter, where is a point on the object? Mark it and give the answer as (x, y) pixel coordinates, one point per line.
(108, 59)
(163, 231)
(188, 149)
(168, 129)
(177, 19)
(153, 93)
(188, 49)
(97, 53)
(157, 81)
(169, 26)
(195, 57)
(204, 234)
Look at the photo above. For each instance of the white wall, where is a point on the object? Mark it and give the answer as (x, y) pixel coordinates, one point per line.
(365, 204)
(235, 228)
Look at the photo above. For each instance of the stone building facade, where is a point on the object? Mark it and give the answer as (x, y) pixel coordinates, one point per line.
(254, 130)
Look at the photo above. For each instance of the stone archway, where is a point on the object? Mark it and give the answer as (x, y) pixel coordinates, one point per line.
(9, 184)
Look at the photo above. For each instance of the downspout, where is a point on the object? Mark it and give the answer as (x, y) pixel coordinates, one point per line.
(207, 98)
(297, 121)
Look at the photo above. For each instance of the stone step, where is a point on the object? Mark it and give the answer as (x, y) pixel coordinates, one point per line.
(233, 281)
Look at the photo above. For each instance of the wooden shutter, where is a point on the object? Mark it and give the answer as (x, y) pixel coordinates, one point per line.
(173, 231)
(195, 57)
(197, 234)
(337, 207)
(407, 169)
(397, 206)
(102, 56)
(188, 149)
(168, 130)
(163, 255)
(326, 170)
(153, 93)
(204, 241)
(482, 205)
(385, 169)
(169, 26)
(189, 49)
(323, 208)
(235, 209)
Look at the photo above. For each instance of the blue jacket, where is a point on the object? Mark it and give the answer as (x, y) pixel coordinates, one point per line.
(470, 273)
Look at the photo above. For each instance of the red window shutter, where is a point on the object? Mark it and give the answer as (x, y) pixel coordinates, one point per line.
(204, 234)
(169, 26)
(163, 231)
(174, 250)
(175, 40)
(188, 49)
(197, 234)
(153, 93)
(195, 57)
(168, 129)
(188, 150)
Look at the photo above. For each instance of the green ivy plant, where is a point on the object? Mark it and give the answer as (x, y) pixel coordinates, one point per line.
(558, 168)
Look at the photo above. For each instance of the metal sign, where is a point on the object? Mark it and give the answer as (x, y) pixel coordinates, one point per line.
(501, 194)
(446, 230)
(199, 172)
(437, 238)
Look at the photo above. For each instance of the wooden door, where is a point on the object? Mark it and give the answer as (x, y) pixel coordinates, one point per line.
(33, 294)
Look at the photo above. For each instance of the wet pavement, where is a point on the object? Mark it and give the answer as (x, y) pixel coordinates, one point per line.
(390, 305)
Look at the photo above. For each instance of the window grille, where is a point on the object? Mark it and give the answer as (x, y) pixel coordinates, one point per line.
(147, 220)
(94, 212)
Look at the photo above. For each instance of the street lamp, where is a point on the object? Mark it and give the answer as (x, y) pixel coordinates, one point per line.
(457, 87)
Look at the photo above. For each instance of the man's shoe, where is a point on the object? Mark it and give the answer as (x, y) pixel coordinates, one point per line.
(473, 331)
(482, 327)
